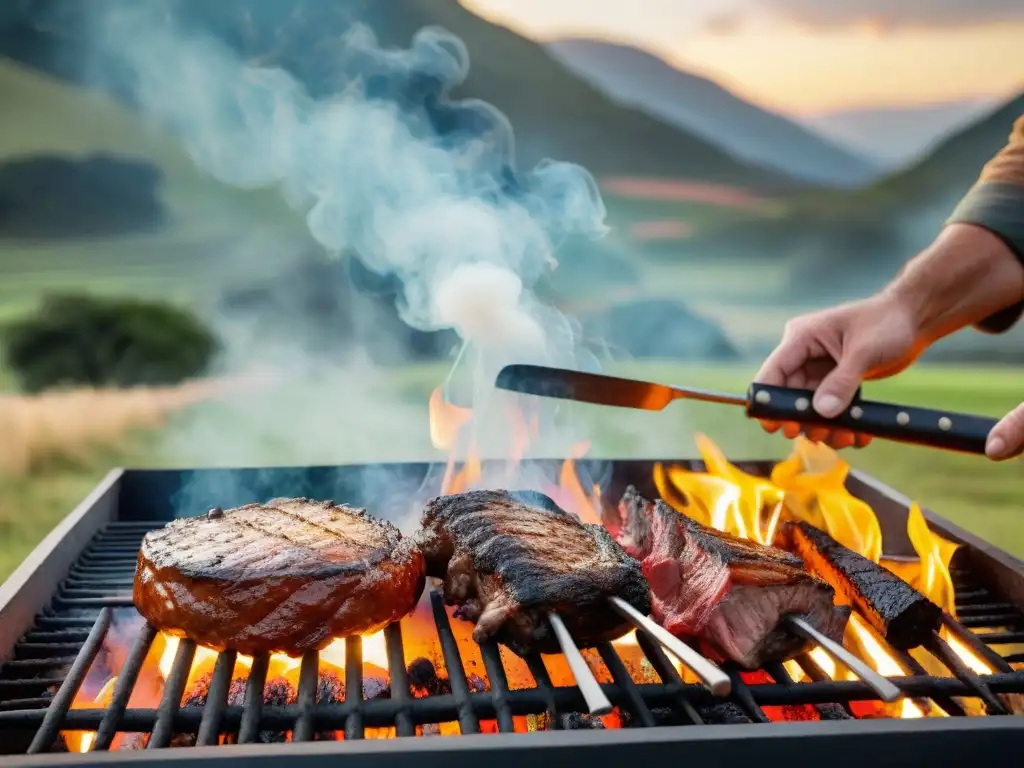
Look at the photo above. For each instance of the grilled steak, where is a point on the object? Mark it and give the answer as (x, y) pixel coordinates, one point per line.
(285, 576)
(901, 614)
(731, 594)
(508, 559)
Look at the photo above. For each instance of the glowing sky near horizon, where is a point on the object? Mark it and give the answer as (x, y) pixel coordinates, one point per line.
(806, 56)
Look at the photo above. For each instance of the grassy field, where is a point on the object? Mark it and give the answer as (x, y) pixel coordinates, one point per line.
(383, 416)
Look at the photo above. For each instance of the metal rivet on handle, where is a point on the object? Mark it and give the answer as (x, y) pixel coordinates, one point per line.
(856, 412)
(945, 423)
(903, 418)
(802, 404)
(763, 397)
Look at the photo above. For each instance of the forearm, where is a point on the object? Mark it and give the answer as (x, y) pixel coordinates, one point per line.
(967, 275)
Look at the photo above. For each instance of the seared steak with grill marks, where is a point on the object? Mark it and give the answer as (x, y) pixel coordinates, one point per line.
(286, 576)
(508, 559)
(731, 594)
(901, 614)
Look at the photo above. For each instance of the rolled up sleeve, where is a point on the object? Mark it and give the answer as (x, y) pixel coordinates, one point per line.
(996, 202)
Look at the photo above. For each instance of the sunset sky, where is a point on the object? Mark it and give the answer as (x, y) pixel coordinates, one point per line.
(806, 56)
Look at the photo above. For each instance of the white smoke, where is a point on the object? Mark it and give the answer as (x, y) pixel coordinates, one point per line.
(445, 211)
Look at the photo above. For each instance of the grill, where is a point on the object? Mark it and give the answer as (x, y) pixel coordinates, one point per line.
(57, 610)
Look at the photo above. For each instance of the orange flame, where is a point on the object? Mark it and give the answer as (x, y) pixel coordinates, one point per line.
(810, 486)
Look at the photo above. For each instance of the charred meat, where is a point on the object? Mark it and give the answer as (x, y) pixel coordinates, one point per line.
(731, 594)
(901, 614)
(508, 559)
(286, 576)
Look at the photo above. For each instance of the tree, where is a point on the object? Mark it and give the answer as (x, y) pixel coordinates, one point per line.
(84, 340)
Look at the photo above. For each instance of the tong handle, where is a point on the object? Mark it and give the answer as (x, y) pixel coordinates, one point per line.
(919, 426)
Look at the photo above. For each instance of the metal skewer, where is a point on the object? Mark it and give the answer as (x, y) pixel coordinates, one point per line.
(886, 690)
(597, 702)
(714, 679)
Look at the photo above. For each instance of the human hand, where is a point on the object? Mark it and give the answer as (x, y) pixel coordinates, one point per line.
(832, 351)
(1006, 440)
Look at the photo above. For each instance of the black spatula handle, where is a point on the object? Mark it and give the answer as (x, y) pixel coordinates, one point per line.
(919, 426)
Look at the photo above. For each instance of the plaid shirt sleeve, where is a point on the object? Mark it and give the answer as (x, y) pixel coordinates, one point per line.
(996, 202)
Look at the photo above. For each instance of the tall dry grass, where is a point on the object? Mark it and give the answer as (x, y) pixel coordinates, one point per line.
(36, 430)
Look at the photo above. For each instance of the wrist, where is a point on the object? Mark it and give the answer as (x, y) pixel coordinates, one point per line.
(965, 276)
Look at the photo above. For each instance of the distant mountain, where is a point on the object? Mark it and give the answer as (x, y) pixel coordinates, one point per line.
(554, 112)
(949, 170)
(896, 136)
(636, 78)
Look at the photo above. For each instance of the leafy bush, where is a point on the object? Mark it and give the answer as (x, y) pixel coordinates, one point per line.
(81, 340)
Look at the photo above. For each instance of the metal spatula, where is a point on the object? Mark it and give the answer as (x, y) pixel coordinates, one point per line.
(901, 423)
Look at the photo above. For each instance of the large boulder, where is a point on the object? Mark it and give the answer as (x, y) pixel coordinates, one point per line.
(660, 329)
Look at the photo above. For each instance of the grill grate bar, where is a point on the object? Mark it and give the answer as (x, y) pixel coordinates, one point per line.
(354, 687)
(174, 687)
(544, 686)
(944, 703)
(252, 705)
(941, 650)
(669, 677)
(50, 724)
(126, 679)
(468, 721)
(742, 696)
(498, 681)
(634, 701)
(404, 725)
(978, 644)
(982, 608)
(49, 651)
(216, 699)
(37, 702)
(1001, 638)
(436, 709)
(111, 601)
(813, 670)
(68, 636)
(307, 696)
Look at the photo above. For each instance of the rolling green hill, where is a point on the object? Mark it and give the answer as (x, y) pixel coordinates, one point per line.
(554, 113)
(46, 117)
(953, 166)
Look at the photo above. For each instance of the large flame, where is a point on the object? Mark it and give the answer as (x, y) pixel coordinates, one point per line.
(810, 485)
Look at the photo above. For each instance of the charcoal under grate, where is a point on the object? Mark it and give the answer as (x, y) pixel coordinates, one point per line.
(51, 661)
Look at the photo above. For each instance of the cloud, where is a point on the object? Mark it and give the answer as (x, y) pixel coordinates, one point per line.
(725, 24)
(896, 14)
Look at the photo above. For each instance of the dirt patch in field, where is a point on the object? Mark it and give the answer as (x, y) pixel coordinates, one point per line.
(682, 191)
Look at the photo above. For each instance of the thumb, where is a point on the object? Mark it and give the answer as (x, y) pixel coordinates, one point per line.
(836, 391)
(1007, 437)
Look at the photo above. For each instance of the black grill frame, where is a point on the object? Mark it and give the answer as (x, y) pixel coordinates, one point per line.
(61, 601)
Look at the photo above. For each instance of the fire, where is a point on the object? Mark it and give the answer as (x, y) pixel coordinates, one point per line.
(449, 425)
(810, 486)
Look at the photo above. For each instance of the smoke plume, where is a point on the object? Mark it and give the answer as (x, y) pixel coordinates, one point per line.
(388, 168)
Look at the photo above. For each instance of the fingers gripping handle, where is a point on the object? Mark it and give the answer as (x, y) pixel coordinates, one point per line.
(919, 426)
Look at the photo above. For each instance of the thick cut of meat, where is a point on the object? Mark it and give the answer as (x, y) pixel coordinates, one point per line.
(286, 576)
(901, 614)
(730, 593)
(508, 559)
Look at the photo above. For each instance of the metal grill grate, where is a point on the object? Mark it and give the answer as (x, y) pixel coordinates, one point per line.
(57, 653)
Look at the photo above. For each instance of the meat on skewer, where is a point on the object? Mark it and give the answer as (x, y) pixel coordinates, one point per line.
(508, 559)
(732, 594)
(901, 614)
(286, 576)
